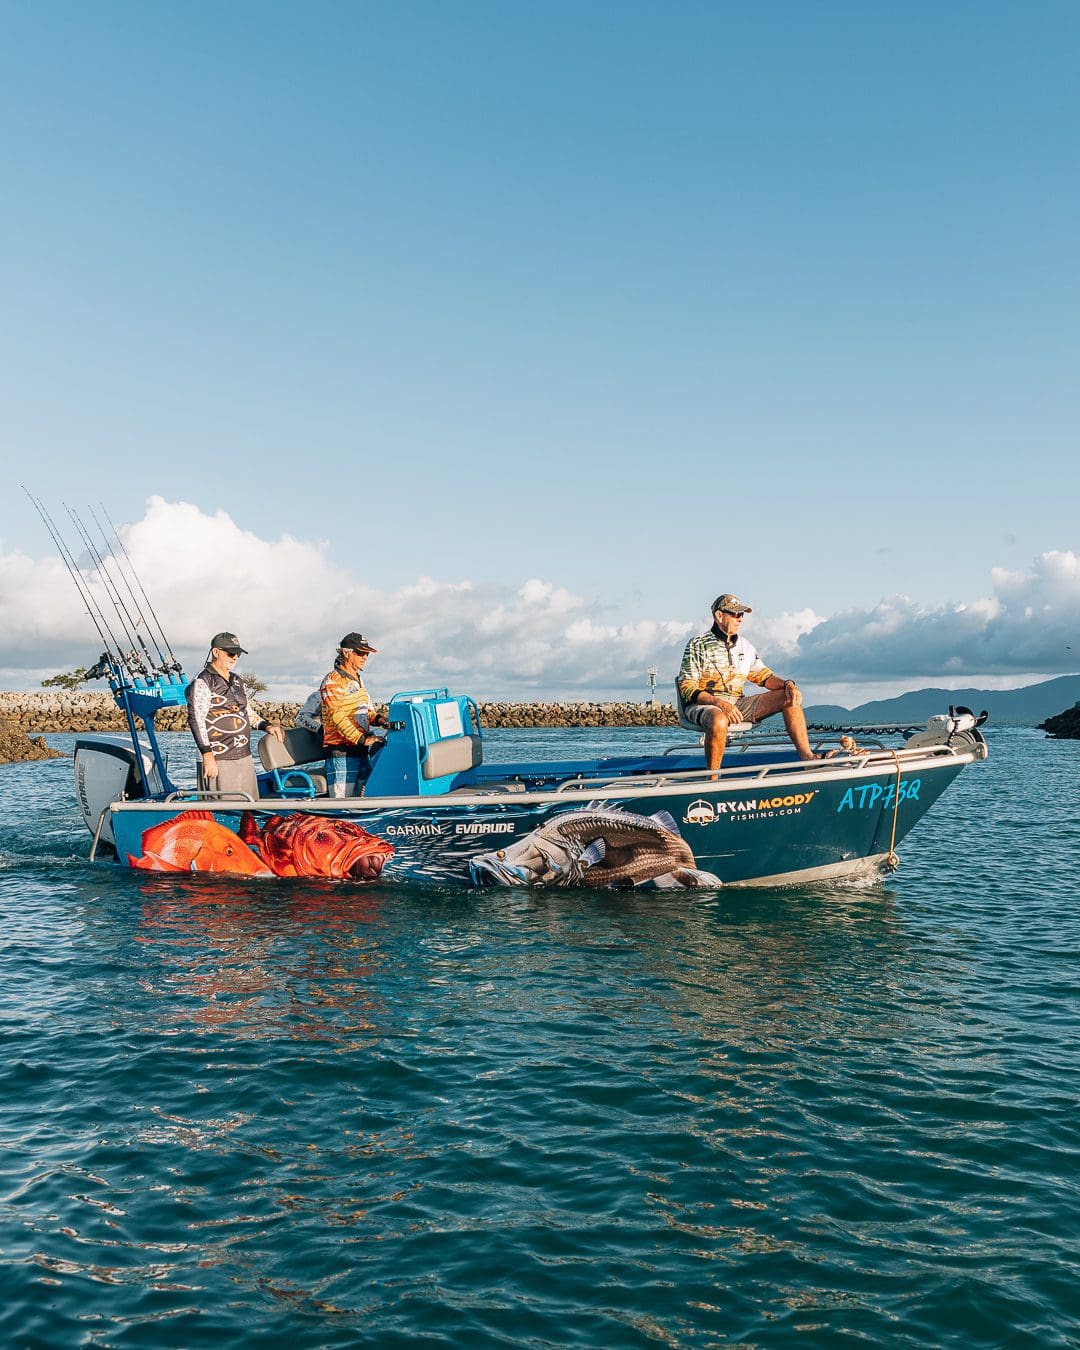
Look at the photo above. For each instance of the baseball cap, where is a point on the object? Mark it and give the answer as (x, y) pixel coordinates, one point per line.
(356, 642)
(228, 642)
(730, 604)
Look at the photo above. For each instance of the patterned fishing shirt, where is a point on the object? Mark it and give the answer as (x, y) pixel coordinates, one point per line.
(710, 665)
(221, 715)
(346, 709)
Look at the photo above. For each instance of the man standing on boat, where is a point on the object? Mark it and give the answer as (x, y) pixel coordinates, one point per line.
(221, 718)
(348, 715)
(715, 667)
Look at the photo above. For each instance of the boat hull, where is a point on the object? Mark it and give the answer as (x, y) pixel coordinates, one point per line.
(808, 824)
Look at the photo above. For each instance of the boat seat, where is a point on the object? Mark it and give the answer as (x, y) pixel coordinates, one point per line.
(454, 754)
(734, 728)
(493, 788)
(282, 759)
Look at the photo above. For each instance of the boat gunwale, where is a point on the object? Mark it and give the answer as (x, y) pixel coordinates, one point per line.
(682, 782)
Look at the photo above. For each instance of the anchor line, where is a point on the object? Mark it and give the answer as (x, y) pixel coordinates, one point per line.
(892, 859)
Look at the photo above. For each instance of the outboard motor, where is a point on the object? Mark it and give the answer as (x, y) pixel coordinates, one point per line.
(958, 729)
(106, 771)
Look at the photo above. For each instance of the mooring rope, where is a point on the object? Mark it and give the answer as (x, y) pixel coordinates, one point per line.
(892, 859)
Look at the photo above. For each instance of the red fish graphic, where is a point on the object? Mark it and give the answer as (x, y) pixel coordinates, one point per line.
(317, 846)
(195, 842)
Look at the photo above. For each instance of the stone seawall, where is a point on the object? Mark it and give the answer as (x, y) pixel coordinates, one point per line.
(62, 710)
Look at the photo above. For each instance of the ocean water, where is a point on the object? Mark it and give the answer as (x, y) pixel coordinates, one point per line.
(306, 1114)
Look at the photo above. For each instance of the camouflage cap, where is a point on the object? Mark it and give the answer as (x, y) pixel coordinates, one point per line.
(730, 604)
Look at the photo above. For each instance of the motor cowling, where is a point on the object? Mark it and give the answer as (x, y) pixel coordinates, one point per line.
(958, 729)
(106, 770)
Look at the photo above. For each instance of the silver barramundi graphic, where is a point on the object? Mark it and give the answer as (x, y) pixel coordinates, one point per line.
(596, 847)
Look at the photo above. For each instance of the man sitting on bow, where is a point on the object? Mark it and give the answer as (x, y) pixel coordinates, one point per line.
(715, 667)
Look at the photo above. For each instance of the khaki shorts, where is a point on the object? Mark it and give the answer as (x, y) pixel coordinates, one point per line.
(234, 775)
(741, 711)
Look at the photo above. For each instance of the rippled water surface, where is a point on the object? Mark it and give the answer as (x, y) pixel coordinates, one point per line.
(303, 1113)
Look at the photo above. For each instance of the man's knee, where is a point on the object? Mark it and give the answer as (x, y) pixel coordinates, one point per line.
(780, 700)
(717, 719)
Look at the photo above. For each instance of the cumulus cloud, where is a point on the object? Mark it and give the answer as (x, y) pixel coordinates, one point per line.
(290, 603)
(1028, 625)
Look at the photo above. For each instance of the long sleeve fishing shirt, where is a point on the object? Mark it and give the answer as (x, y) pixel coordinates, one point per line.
(346, 709)
(709, 664)
(221, 715)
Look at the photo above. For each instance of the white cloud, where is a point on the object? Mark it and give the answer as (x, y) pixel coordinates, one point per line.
(289, 603)
(1030, 624)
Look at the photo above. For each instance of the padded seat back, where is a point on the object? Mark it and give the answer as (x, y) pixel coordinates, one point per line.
(456, 754)
(299, 747)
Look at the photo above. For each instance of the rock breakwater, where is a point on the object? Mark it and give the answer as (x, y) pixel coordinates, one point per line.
(64, 711)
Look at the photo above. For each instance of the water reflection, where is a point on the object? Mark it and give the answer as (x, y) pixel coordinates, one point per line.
(300, 958)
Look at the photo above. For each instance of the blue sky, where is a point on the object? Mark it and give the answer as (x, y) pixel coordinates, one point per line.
(627, 303)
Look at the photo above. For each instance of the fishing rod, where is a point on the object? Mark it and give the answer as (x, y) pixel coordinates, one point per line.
(134, 661)
(130, 629)
(174, 663)
(134, 599)
(162, 666)
(97, 618)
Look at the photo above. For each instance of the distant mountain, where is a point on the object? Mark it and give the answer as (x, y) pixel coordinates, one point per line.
(1023, 707)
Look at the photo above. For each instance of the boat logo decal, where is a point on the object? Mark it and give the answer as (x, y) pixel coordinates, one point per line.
(753, 808)
(700, 813)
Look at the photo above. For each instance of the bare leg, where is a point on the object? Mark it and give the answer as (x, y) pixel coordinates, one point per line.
(779, 700)
(795, 721)
(716, 730)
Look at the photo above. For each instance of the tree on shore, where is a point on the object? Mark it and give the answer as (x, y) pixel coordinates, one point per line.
(69, 679)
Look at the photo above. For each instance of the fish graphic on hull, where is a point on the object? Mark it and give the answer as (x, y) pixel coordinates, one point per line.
(286, 846)
(603, 848)
(195, 842)
(317, 846)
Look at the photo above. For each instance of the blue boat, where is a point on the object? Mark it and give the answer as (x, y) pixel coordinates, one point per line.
(434, 811)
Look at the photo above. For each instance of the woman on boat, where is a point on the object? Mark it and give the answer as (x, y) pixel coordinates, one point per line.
(221, 718)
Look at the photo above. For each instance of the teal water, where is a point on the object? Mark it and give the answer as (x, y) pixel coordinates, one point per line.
(302, 1114)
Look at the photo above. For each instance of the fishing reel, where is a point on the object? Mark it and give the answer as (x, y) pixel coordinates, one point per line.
(102, 670)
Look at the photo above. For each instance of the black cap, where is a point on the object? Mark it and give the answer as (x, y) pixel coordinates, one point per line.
(730, 604)
(228, 642)
(356, 642)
